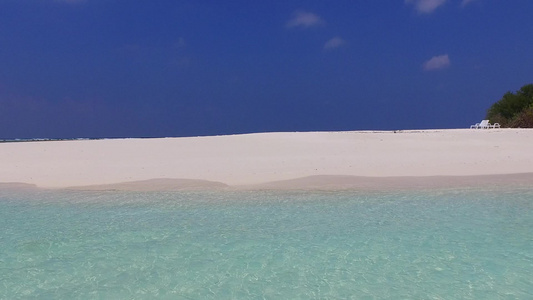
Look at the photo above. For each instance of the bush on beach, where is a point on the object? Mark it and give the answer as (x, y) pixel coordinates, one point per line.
(514, 109)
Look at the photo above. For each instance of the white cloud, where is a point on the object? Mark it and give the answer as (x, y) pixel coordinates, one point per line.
(304, 20)
(426, 6)
(333, 43)
(437, 62)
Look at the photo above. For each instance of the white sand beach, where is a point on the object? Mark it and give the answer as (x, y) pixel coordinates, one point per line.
(275, 160)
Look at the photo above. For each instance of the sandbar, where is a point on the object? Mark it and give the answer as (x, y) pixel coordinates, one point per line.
(307, 160)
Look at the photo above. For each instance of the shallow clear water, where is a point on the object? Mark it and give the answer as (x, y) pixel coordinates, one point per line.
(447, 244)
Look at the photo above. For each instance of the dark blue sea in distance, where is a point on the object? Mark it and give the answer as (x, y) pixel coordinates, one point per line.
(434, 244)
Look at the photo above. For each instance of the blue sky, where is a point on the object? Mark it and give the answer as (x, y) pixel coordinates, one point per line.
(136, 68)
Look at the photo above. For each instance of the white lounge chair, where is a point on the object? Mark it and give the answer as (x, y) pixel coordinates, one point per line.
(485, 125)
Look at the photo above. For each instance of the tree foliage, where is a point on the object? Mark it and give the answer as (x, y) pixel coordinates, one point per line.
(514, 109)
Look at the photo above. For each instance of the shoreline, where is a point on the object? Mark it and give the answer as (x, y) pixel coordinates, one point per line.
(288, 160)
(311, 183)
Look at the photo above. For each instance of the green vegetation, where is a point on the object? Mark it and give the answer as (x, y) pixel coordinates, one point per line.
(514, 109)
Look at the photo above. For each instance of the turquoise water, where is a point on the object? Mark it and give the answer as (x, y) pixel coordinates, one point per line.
(447, 244)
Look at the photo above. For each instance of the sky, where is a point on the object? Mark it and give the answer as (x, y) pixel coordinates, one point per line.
(168, 68)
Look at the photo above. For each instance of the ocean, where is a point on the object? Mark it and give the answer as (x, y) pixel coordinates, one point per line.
(429, 244)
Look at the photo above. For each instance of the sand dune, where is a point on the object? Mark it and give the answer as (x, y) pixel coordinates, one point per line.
(264, 158)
